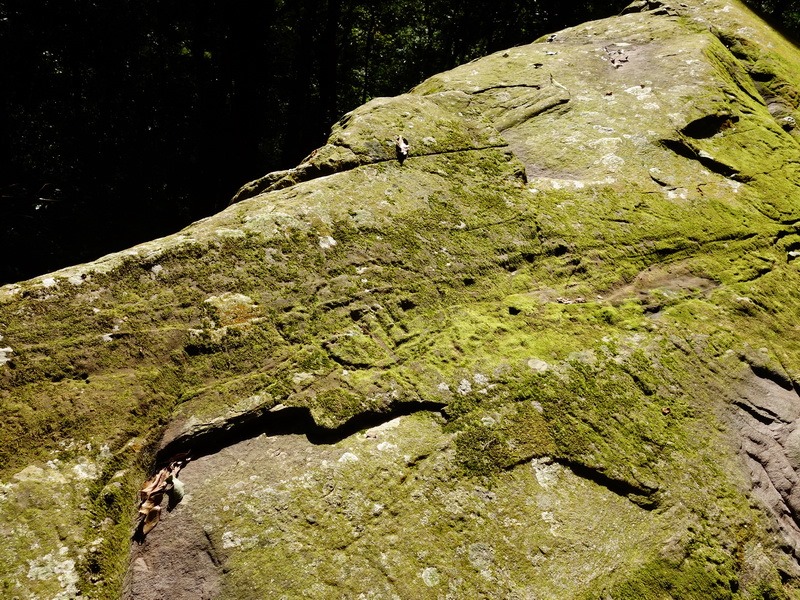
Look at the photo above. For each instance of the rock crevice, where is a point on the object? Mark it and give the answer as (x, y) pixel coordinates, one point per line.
(210, 438)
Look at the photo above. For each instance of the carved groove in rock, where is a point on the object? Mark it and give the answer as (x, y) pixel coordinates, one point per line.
(684, 148)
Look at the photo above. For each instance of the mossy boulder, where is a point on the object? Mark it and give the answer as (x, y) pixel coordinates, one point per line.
(552, 353)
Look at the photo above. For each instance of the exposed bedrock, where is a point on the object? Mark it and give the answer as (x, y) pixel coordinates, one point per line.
(768, 408)
(529, 330)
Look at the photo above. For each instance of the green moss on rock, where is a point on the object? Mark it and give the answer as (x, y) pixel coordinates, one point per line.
(579, 262)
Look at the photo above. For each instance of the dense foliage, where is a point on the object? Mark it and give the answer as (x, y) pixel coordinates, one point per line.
(122, 121)
(784, 15)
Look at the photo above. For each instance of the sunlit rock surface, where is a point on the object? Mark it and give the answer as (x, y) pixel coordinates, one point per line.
(552, 353)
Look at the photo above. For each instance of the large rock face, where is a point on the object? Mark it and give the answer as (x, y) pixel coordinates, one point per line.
(554, 353)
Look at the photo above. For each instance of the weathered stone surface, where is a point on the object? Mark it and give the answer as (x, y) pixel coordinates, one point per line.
(553, 353)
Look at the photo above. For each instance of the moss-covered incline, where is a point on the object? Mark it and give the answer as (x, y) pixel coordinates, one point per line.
(590, 249)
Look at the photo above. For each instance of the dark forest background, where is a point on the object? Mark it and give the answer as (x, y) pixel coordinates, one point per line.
(122, 121)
